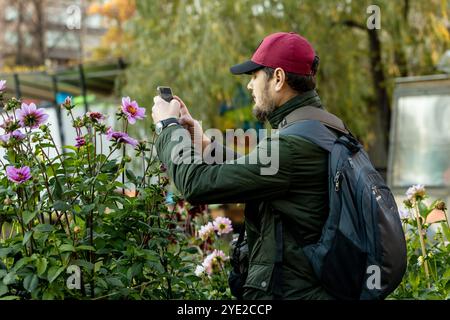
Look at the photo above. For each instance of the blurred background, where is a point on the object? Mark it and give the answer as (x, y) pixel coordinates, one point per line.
(384, 67)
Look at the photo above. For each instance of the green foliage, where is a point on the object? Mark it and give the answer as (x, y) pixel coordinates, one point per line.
(428, 274)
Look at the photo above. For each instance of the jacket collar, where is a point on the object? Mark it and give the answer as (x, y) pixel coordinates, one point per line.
(309, 98)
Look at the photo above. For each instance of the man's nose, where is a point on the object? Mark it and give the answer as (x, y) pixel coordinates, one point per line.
(250, 85)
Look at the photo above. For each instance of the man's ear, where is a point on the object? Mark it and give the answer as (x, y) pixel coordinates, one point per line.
(280, 77)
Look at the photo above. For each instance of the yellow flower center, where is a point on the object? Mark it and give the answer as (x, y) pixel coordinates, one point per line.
(132, 110)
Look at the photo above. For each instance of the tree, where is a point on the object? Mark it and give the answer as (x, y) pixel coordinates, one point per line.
(191, 44)
(116, 12)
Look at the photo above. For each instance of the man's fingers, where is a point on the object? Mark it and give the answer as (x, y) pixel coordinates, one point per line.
(185, 120)
(183, 109)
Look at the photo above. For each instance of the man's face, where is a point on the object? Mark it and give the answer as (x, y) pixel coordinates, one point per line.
(261, 90)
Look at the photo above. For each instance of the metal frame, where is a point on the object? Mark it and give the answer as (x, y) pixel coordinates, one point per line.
(405, 87)
(46, 85)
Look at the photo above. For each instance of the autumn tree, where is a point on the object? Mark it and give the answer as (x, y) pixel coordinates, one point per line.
(115, 41)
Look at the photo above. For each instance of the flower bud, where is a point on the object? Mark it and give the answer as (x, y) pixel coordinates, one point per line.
(76, 229)
(441, 206)
(164, 181)
(12, 104)
(408, 203)
(127, 159)
(67, 104)
(43, 128)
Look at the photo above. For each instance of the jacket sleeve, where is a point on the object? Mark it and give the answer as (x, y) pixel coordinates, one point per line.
(246, 178)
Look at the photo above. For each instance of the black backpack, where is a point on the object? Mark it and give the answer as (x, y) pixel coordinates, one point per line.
(362, 251)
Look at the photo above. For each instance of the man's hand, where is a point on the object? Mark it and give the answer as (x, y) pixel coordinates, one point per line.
(162, 109)
(192, 125)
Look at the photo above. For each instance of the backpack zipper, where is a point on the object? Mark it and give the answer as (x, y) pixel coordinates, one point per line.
(351, 163)
(376, 193)
(336, 181)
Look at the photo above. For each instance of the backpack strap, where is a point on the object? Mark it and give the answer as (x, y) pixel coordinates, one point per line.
(314, 113)
(313, 131)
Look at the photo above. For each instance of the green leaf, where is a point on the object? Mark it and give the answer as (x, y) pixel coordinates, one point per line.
(41, 265)
(19, 264)
(66, 247)
(131, 176)
(27, 237)
(445, 229)
(57, 190)
(85, 247)
(61, 205)
(28, 216)
(10, 278)
(46, 145)
(3, 289)
(44, 227)
(115, 282)
(423, 209)
(54, 272)
(70, 148)
(87, 208)
(83, 263)
(134, 270)
(48, 295)
(4, 252)
(98, 265)
(192, 250)
(10, 298)
(31, 282)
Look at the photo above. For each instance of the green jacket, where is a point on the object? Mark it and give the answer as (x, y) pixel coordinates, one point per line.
(298, 192)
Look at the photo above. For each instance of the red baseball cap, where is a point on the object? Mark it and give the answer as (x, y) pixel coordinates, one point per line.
(286, 50)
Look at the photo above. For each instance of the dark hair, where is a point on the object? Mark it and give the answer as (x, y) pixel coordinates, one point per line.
(299, 83)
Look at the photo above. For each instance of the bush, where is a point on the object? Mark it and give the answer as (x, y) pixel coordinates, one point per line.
(427, 235)
(72, 229)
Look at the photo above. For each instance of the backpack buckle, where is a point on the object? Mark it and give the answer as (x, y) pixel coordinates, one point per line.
(351, 143)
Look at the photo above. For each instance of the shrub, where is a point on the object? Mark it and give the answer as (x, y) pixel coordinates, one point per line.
(71, 228)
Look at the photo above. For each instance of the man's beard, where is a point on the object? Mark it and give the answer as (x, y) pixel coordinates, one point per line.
(266, 107)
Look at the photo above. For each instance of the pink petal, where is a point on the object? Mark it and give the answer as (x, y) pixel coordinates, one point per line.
(131, 119)
(436, 216)
(24, 108)
(134, 104)
(125, 101)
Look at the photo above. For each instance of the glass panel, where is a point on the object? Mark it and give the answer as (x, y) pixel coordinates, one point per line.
(422, 146)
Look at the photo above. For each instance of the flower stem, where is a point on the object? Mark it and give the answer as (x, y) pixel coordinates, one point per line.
(422, 245)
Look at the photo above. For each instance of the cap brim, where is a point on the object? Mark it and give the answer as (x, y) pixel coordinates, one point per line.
(245, 68)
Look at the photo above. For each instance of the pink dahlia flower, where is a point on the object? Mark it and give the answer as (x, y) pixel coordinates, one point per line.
(18, 175)
(132, 110)
(31, 117)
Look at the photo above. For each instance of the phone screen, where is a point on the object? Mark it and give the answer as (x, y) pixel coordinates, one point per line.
(165, 93)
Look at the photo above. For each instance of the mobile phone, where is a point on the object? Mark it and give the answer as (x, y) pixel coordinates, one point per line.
(165, 93)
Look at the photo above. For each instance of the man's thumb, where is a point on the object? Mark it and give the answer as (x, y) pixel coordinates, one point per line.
(174, 103)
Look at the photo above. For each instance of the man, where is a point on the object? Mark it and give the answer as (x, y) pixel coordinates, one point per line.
(282, 73)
